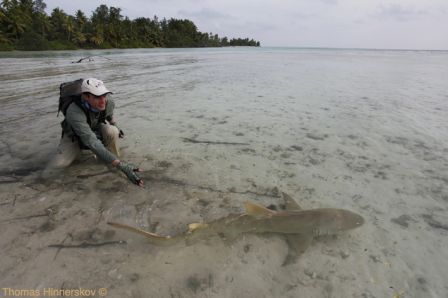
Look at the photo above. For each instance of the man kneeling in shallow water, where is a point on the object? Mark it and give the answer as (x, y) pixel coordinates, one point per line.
(89, 124)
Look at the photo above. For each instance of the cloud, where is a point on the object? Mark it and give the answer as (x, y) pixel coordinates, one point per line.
(253, 26)
(303, 16)
(205, 14)
(330, 2)
(399, 13)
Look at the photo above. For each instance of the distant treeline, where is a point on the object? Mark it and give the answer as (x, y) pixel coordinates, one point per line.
(24, 25)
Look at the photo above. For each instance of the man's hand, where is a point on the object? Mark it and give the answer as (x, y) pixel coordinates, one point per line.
(130, 170)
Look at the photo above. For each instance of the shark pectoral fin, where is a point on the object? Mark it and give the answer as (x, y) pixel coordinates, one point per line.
(290, 204)
(257, 210)
(297, 244)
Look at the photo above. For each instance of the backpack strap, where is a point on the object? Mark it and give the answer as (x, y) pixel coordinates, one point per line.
(78, 102)
(102, 114)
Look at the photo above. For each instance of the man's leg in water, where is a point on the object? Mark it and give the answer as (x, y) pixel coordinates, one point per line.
(110, 138)
(66, 153)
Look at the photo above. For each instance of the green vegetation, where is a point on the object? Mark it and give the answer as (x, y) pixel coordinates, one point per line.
(24, 25)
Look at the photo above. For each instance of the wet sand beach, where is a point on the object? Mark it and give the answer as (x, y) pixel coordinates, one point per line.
(214, 128)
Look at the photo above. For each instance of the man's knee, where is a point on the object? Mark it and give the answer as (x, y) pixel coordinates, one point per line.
(66, 153)
(110, 136)
(109, 131)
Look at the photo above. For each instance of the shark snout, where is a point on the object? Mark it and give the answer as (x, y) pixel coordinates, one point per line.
(356, 220)
(348, 220)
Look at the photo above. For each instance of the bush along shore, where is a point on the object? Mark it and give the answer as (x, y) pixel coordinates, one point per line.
(24, 25)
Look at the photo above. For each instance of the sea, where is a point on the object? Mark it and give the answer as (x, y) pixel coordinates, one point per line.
(358, 129)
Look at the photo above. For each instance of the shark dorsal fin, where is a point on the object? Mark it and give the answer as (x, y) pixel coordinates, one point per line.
(257, 210)
(290, 204)
(194, 226)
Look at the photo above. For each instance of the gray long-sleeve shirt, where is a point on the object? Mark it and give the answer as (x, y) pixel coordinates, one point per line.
(76, 124)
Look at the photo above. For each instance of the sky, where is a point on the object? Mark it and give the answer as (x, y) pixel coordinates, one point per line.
(373, 24)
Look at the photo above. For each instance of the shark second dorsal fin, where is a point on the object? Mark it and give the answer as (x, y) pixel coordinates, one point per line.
(257, 210)
(290, 204)
(194, 226)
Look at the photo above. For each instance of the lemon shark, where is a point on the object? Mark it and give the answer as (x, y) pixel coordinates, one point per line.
(299, 226)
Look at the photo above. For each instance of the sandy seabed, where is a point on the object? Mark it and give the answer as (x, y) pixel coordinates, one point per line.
(356, 151)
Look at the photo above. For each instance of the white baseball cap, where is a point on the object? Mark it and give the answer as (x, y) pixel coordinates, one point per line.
(94, 86)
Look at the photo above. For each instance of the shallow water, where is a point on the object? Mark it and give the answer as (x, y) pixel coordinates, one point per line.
(363, 130)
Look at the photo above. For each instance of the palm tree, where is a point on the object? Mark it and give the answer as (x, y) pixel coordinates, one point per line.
(97, 35)
(114, 26)
(42, 23)
(16, 16)
(8, 4)
(58, 20)
(27, 7)
(39, 6)
(16, 26)
(97, 39)
(80, 20)
(3, 38)
(69, 26)
(79, 38)
(2, 14)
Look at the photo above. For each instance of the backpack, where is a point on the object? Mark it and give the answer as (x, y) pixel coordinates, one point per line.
(68, 93)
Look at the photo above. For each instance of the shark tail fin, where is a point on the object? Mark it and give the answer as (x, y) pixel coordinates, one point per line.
(257, 210)
(152, 236)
